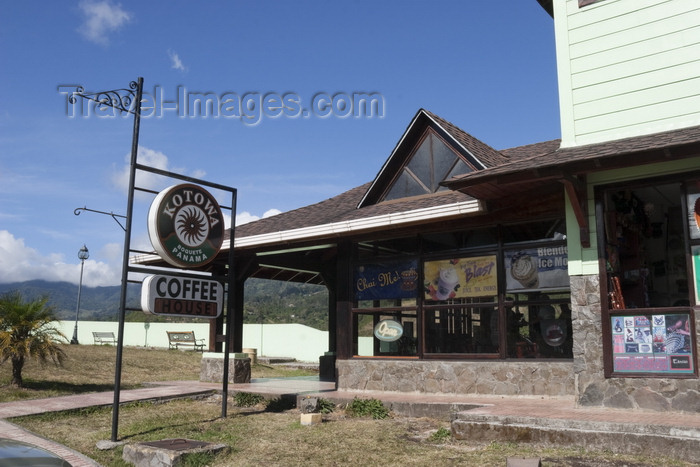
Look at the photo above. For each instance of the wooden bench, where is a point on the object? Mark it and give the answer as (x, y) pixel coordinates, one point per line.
(184, 338)
(104, 338)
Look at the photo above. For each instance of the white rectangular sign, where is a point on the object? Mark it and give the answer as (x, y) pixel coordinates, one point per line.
(182, 296)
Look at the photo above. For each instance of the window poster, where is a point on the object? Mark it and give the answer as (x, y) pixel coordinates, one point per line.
(386, 280)
(460, 278)
(694, 215)
(696, 273)
(537, 268)
(652, 344)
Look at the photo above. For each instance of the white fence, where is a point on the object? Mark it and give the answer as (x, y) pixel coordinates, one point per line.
(297, 341)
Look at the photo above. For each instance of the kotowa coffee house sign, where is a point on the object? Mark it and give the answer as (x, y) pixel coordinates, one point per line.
(182, 296)
(186, 226)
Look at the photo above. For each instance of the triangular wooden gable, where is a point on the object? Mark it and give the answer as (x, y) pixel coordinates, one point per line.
(430, 151)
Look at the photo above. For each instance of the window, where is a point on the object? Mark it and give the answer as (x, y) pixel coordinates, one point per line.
(384, 318)
(432, 163)
(465, 294)
(386, 331)
(648, 231)
(645, 249)
(539, 325)
(462, 326)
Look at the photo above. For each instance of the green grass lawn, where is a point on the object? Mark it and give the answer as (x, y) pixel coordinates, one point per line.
(269, 433)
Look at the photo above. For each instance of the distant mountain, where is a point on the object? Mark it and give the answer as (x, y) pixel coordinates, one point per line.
(96, 303)
(265, 301)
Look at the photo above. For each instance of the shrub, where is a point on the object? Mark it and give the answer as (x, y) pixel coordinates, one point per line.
(441, 435)
(366, 408)
(325, 406)
(247, 399)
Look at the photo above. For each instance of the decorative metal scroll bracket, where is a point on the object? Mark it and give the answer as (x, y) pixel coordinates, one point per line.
(120, 99)
(114, 216)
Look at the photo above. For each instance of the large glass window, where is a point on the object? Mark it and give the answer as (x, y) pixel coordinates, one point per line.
(472, 295)
(461, 305)
(462, 326)
(648, 237)
(539, 325)
(387, 332)
(384, 318)
(645, 247)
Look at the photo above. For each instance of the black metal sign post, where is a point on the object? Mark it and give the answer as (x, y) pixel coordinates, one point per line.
(123, 100)
(125, 258)
(129, 100)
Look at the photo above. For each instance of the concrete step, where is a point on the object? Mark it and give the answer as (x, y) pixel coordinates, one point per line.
(624, 438)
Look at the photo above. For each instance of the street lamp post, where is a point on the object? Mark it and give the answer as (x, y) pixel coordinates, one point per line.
(83, 254)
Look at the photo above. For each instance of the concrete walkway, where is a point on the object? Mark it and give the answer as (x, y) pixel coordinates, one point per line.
(542, 419)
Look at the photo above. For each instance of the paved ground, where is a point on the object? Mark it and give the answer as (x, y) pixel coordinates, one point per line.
(556, 413)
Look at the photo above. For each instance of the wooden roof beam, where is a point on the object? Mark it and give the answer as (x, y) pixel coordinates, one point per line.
(576, 190)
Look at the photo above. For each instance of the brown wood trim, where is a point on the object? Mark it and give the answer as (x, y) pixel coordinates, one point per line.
(576, 190)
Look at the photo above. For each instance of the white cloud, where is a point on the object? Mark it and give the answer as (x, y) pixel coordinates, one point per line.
(271, 212)
(175, 61)
(246, 217)
(101, 19)
(19, 263)
(148, 180)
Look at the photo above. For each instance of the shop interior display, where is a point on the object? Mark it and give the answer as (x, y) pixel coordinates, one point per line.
(646, 259)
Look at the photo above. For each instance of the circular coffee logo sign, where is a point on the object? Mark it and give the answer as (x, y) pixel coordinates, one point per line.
(186, 226)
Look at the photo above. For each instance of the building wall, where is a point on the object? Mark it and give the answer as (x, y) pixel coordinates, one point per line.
(591, 386)
(297, 341)
(627, 68)
(449, 377)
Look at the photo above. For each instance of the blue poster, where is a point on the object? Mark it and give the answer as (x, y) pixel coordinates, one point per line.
(387, 280)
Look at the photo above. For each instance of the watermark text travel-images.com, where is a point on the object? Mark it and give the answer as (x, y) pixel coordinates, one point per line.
(250, 107)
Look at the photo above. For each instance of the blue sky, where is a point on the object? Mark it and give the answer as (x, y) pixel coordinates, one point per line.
(486, 66)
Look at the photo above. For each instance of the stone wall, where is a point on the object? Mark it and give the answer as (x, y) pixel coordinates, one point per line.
(592, 388)
(583, 378)
(212, 368)
(457, 377)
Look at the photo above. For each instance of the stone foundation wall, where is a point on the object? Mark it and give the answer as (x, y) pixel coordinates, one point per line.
(212, 368)
(592, 388)
(457, 377)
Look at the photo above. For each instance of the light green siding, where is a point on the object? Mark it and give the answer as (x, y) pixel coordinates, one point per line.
(627, 68)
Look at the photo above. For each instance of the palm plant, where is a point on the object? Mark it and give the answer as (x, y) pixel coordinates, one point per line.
(27, 331)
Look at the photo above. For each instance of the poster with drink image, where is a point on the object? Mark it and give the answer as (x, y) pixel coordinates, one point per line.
(461, 277)
(537, 268)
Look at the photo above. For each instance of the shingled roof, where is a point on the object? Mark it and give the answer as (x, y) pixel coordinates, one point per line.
(540, 163)
(487, 155)
(343, 213)
(508, 172)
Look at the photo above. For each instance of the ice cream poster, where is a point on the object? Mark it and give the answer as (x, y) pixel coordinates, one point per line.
(537, 268)
(393, 279)
(459, 278)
